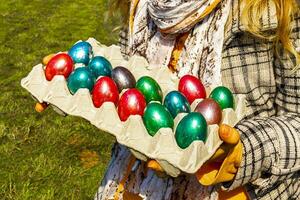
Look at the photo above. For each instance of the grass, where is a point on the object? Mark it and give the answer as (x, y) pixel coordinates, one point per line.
(47, 156)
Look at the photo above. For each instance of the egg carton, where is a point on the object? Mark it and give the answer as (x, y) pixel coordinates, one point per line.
(132, 133)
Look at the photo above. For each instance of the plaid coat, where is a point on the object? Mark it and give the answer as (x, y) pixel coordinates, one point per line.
(270, 132)
(270, 168)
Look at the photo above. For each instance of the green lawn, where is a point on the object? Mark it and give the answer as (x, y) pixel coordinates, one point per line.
(47, 156)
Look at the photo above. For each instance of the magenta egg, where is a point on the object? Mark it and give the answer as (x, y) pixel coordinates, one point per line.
(210, 110)
(105, 90)
(132, 102)
(60, 64)
(192, 88)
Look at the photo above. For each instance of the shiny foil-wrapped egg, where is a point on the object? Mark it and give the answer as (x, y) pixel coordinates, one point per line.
(192, 127)
(192, 88)
(105, 90)
(59, 64)
(223, 96)
(210, 110)
(176, 103)
(81, 78)
(123, 78)
(132, 102)
(150, 89)
(81, 52)
(100, 66)
(156, 116)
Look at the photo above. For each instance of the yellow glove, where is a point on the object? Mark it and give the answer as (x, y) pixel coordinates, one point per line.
(152, 164)
(46, 59)
(40, 107)
(223, 165)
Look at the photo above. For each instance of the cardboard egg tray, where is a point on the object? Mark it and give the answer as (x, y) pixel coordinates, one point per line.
(132, 133)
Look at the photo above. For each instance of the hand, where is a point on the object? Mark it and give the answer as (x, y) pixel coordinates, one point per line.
(46, 59)
(40, 107)
(223, 165)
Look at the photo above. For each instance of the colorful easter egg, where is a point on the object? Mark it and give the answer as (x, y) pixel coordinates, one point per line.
(105, 90)
(176, 103)
(100, 66)
(81, 78)
(156, 116)
(81, 52)
(60, 64)
(192, 127)
(123, 78)
(210, 110)
(192, 88)
(149, 88)
(132, 102)
(223, 96)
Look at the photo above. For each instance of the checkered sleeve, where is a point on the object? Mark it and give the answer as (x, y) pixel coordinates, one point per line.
(271, 145)
(271, 151)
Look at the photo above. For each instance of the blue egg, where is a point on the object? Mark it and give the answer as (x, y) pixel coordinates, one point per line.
(176, 103)
(100, 66)
(81, 78)
(81, 52)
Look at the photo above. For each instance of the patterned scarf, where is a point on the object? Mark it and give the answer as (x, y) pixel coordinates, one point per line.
(155, 25)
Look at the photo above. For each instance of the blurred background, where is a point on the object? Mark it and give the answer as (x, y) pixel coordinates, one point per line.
(45, 155)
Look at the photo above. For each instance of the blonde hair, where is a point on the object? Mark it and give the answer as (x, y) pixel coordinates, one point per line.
(252, 13)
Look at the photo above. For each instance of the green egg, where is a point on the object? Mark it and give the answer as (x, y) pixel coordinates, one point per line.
(150, 89)
(223, 96)
(192, 127)
(156, 116)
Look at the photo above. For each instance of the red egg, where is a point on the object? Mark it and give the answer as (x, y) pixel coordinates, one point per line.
(132, 102)
(210, 110)
(105, 90)
(192, 88)
(60, 64)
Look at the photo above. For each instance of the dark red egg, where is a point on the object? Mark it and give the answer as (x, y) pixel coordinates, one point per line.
(60, 64)
(105, 90)
(210, 110)
(192, 88)
(132, 102)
